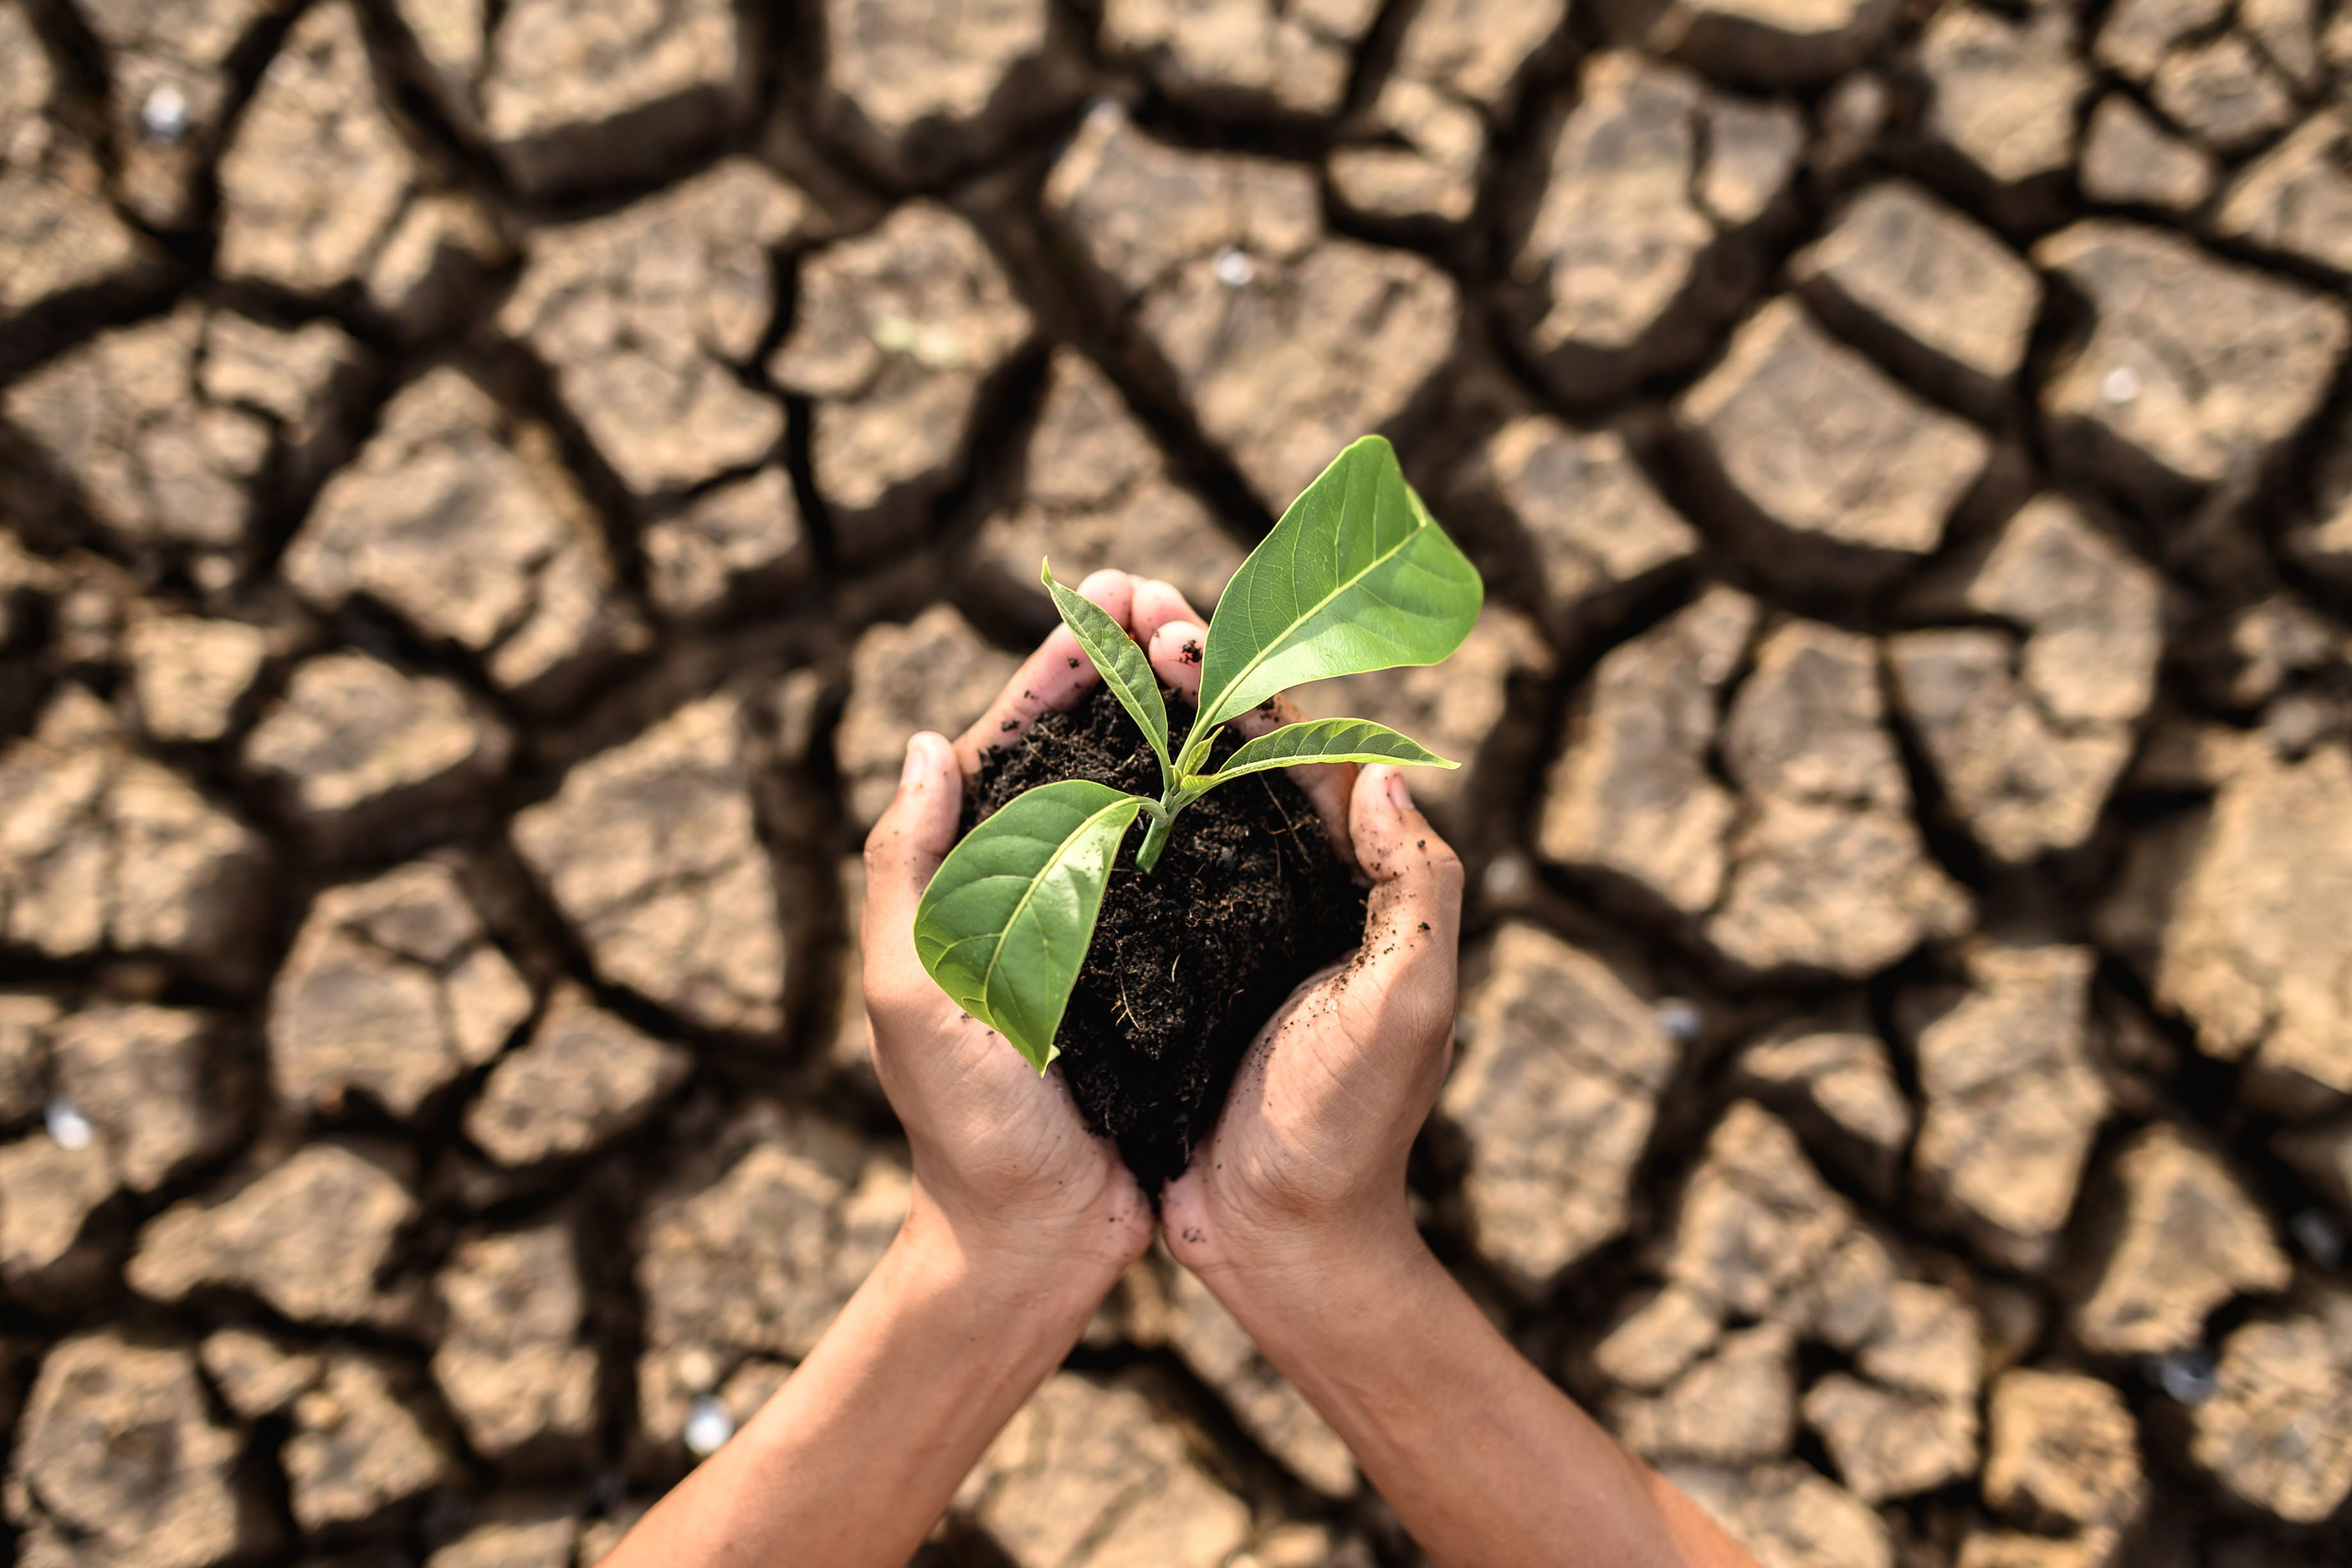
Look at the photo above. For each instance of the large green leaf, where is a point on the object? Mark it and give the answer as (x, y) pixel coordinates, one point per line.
(1329, 740)
(1357, 576)
(1121, 664)
(1004, 925)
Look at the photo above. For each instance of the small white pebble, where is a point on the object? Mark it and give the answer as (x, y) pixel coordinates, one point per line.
(2298, 720)
(2319, 1237)
(214, 573)
(707, 1427)
(2121, 385)
(2185, 1376)
(69, 1128)
(1234, 269)
(698, 1370)
(1681, 1020)
(165, 115)
(1508, 879)
(939, 348)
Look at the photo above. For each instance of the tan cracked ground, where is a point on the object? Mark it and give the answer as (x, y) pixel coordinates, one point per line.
(487, 489)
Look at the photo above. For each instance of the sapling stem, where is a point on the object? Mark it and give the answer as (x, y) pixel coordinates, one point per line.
(1173, 798)
(1155, 837)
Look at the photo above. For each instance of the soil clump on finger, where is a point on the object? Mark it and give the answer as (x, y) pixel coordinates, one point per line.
(1188, 962)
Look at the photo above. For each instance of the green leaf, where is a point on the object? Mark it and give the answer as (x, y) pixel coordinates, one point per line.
(1004, 925)
(1123, 664)
(1357, 576)
(1327, 741)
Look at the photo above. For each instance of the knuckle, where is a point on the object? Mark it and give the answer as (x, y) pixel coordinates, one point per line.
(1445, 870)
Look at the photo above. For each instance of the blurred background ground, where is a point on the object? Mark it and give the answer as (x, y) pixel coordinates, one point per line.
(487, 487)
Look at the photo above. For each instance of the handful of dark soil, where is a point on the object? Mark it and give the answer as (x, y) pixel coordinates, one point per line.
(1187, 963)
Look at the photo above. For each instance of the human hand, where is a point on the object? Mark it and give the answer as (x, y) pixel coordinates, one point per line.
(1307, 1160)
(1002, 1163)
(1022, 1221)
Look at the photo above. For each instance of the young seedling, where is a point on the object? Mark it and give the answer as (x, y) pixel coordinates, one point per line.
(1356, 577)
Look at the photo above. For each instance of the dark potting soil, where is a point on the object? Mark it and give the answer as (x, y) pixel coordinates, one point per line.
(1187, 962)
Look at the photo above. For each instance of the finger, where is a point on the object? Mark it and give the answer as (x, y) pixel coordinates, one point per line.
(1414, 923)
(1156, 605)
(1053, 678)
(1409, 864)
(1174, 647)
(913, 835)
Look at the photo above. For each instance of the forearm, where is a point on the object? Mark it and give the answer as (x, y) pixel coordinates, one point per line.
(860, 1452)
(1486, 1462)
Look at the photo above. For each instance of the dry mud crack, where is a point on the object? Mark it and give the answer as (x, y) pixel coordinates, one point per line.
(487, 491)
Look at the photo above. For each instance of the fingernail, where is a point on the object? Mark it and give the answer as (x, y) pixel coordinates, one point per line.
(916, 766)
(1399, 796)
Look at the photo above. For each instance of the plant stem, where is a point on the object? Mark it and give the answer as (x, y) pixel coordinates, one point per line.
(1155, 837)
(1171, 800)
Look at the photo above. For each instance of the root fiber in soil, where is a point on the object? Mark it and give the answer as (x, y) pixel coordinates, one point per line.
(1188, 962)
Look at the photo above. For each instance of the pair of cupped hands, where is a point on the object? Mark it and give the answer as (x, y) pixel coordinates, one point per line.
(1306, 1165)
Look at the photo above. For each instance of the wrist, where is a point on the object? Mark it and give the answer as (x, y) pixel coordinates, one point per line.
(934, 1350)
(1302, 1282)
(1368, 1335)
(1046, 1271)
(1252, 1228)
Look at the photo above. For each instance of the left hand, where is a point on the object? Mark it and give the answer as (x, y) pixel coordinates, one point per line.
(1002, 1162)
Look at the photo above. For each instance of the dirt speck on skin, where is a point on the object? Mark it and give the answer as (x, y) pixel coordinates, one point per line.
(1188, 962)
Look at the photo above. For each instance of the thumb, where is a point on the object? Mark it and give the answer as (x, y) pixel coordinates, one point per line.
(912, 836)
(1414, 927)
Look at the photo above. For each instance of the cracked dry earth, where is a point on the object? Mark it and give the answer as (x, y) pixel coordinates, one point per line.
(486, 491)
